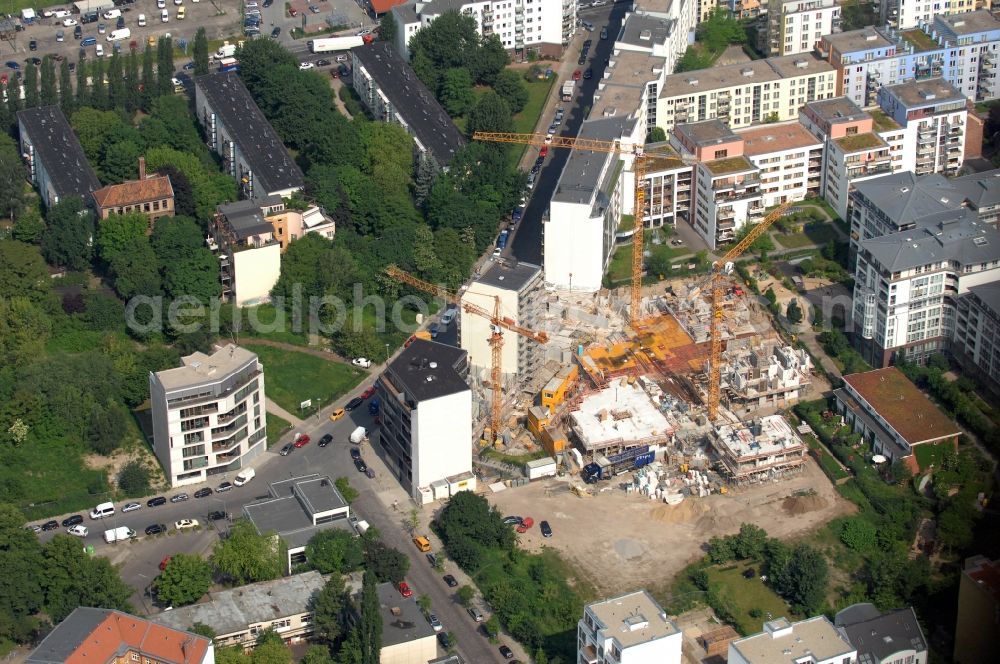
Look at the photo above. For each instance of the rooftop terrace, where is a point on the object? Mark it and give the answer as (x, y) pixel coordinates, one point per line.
(868, 141)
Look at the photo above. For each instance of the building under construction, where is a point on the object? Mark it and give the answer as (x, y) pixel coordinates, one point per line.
(766, 449)
(760, 372)
(617, 418)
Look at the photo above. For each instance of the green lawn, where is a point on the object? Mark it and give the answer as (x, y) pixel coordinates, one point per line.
(817, 234)
(291, 378)
(620, 268)
(826, 460)
(931, 454)
(525, 121)
(266, 315)
(741, 596)
(276, 427)
(54, 478)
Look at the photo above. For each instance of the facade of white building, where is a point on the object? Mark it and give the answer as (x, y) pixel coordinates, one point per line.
(790, 161)
(796, 26)
(629, 629)
(208, 415)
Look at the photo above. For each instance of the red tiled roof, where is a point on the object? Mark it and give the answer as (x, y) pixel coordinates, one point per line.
(382, 6)
(135, 191)
(902, 405)
(120, 632)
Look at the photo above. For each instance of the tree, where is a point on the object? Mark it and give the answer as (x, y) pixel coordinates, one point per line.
(423, 182)
(859, 534)
(201, 629)
(510, 86)
(720, 30)
(118, 232)
(491, 113)
(794, 312)
(656, 135)
(271, 652)
(49, 95)
(370, 627)
(334, 552)
(116, 83)
(132, 83)
(488, 60)
(771, 296)
(387, 28)
(424, 602)
(22, 271)
(82, 90)
(135, 271)
(185, 580)
(186, 264)
(184, 204)
(200, 52)
(164, 66)
(802, 580)
(762, 244)
(455, 92)
(349, 493)
(12, 176)
(246, 556)
(31, 98)
(465, 595)
(21, 571)
(98, 88)
(70, 227)
(751, 542)
(72, 578)
(449, 41)
(29, 227)
(119, 161)
(133, 479)
(328, 610)
(317, 654)
(385, 562)
(148, 85)
(66, 100)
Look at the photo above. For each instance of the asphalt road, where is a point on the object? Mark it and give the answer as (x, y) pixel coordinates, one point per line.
(527, 242)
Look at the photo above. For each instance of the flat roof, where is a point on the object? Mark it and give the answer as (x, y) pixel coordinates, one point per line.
(272, 165)
(857, 40)
(928, 92)
(866, 141)
(953, 235)
(411, 100)
(633, 618)
(662, 157)
(768, 435)
(59, 151)
(625, 80)
(981, 20)
(919, 40)
(902, 405)
(230, 611)
(729, 165)
(508, 275)
(318, 493)
(578, 182)
(645, 31)
(777, 138)
(707, 132)
(245, 219)
(800, 64)
(836, 110)
(428, 370)
(199, 368)
(619, 413)
(878, 638)
(728, 76)
(784, 642)
(881, 121)
(402, 620)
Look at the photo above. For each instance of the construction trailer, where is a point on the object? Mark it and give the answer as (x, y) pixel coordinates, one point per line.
(768, 448)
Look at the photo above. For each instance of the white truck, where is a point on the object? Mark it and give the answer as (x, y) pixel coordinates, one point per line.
(244, 476)
(227, 50)
(120, 534)
(358, 435)
(567, 90)
(120, 35)
(330, 44)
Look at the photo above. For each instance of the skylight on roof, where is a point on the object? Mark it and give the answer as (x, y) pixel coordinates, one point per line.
(980, 241)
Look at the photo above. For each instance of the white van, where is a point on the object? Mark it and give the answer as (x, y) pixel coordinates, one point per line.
(119, 35)
(99, 51)
(112, 13)
(142, 20)
(120, 534)
(103, 510)
(244, 476)
(164, 15)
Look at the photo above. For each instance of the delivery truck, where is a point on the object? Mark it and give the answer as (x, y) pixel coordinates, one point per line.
(331, 44)
(227, 50)
(358, 435)
(120, 35)
(604, 468)
(567, 90)
(120, 534)
(229, 64)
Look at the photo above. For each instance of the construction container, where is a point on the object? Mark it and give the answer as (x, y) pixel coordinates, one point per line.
(544, 467)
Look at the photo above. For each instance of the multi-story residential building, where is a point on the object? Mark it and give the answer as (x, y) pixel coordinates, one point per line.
(906, 14)
(57, 165)
(208, 415)
(630, 88)
(249, 253)
(586, 207)
(747, 93)
(426, 431)
(978, 621)
(629, 629)
(892, 415)
(726, 183)
(660, 34)
(522, 26)
(863, 59)
(393, 93)
(238, 132)
(813, 640)
(907, 280)
(519, 288)
(668, 188)
(976, 344)
(105, 636)
(789, 158)
(934, 115)
(238, 616)
(883, 638)
(743, 9)
(153, 196)
(796, 26)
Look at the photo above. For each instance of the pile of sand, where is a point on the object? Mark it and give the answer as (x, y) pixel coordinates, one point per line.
(686, 511)
(803, 504)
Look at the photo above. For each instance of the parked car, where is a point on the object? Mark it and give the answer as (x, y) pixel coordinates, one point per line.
(78, 530)
(337, 414)
(301, 440)
(156, 502)
(33, 45)
(306, 65)
(325, 440)
(604, 32)
(369, 473)
(368, 394)
(544, 152)
(353, 403)
(589, 73)
(224, 487)
(34, 527)
(69, 22)
(131, 507)
(362, 362)
(186, 523)
(546, 529)
(314, 9)
(445, 640)
(276, 32)
(72, 520)
(203, 493)
(287, 449)
(404, 589)
(450, 580)
(60, 36)
(156, 529)
(577, 74)
(179, 498)
(476, 614)
(525, 525)
(322, 63)
(50, 525)
(88, 41)
(506, 652)
(355, 453)
(217, 515)
(435, 623)
(512, 520)
(360, 465)
(77, 32)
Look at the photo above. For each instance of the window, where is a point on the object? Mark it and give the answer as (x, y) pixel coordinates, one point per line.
(135, 657)
(721, 154)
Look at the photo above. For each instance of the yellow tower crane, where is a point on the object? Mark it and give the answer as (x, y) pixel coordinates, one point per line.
(498, 323)
(612, 147)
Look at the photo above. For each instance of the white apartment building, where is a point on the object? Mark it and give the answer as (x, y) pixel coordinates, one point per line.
(668, 187)
(425, 437)
(249, 252)
(208, 415)
(809, 641)
(543, 26)
(628, 629)
(933, 115)
(593, 191)
(977, 332)
(519, 288)
(796, 26)
(747, 93)
(906, 14)
(789, 158)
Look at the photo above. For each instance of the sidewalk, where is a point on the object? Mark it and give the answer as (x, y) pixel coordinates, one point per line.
(275, 409)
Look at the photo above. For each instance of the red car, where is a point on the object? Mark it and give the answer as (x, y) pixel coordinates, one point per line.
(164, 563)
(526, 523)
(544, 152)
(301, 441)
(292, 13)
(368, 394)
(577, 75)
(404, 589)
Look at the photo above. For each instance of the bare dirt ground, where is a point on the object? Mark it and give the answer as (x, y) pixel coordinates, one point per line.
(627, 541)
